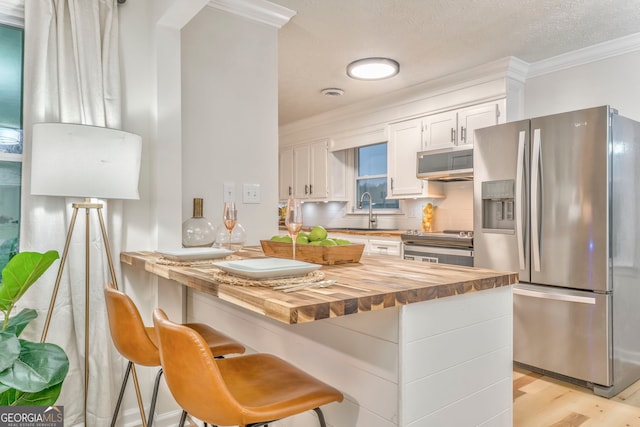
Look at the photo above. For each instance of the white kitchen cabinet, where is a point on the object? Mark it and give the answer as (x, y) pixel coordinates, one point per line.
(405, 141)
(374, 245)
(440, 130)
(476, 117)
(301, 171)
(456, 127)
(384, 247)
(285, 173)
(309, 171)
(314, 168)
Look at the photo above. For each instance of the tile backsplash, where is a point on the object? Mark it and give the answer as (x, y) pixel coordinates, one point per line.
(454, 212)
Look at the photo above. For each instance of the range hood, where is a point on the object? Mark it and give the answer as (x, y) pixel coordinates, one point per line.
(448, 164)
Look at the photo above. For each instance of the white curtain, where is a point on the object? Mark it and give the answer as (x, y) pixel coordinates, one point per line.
(72, 75)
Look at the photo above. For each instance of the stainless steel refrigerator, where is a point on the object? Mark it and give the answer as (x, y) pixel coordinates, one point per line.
(557, 199)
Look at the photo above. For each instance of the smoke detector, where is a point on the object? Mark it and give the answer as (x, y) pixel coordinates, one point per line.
(332, 91)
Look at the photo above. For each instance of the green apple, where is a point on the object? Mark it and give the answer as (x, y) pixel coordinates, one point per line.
(317, 233)
(328, 242)
(302, 238)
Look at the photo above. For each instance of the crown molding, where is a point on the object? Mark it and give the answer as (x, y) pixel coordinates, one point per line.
(597, 52)
(12, 13)
(256, 10)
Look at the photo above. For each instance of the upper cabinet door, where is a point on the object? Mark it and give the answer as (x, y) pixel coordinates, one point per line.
(440, 130)
(301, 163)
(319, 162)
(310, 166)
(472, 118)
(405, 140)
(285, 177)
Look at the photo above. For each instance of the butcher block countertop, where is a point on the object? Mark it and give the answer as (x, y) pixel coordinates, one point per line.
(376, 282)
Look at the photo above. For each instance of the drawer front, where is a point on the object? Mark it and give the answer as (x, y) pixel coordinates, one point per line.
(384, 247)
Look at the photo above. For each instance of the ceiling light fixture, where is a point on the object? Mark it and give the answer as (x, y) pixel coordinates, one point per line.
(373, 68)
(332, 91)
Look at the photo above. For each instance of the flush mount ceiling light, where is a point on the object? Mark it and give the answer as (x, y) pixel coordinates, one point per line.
(373, 68)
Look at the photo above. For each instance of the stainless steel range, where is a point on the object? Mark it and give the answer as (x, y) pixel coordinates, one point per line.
(446, 247)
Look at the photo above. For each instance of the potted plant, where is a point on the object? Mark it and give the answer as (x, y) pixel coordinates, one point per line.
(31, 373)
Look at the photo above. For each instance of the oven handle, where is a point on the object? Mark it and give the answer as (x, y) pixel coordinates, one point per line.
(421, 249)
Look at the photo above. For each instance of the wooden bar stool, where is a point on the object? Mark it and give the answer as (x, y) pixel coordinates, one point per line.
(244, 391)
(137, 343)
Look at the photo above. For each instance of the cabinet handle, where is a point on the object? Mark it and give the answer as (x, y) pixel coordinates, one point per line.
(310, 188)
(391, 184)
(463, 134)
(306, 189)
(290, 190)
(453, 135)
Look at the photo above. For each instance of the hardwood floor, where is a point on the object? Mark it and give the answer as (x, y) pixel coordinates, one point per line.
(541, 401)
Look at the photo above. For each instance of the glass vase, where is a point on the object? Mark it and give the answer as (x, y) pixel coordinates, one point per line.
(197, 231)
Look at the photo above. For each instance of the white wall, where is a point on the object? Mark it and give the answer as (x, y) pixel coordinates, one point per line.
(220, 123)
(614, 81)
(229, 117)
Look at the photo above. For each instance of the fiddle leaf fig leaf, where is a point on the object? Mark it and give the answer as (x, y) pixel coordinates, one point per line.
(22, 272)
(46, 397)
(17, 323)
(9, 350)
(39, 366)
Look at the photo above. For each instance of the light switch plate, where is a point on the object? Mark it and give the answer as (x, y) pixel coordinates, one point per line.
(229, 192)
(251, 193)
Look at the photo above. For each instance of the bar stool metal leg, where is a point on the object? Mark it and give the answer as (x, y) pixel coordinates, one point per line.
(130, 369)
(154, 398)
(183, 418)
(122, 389)
(320, 417)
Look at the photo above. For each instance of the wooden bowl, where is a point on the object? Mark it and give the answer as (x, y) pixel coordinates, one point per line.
(317, 254)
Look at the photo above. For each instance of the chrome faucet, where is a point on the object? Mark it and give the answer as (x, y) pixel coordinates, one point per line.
(372, 218)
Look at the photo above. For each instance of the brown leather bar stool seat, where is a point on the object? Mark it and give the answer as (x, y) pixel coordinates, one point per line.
(137, 344)
(243, 391)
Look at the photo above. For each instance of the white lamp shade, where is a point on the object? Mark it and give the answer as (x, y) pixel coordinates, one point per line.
(84, 161)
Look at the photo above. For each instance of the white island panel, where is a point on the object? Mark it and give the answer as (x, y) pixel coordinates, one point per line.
(457, 359)
(440, 362)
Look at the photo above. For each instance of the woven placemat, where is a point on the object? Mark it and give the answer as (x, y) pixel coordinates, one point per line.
(229, 279)
(165, 261)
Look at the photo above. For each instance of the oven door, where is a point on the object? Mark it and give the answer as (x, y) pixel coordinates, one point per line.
(438, 255)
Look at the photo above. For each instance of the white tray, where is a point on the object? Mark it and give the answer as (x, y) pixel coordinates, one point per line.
(267, 268)
(195, 254)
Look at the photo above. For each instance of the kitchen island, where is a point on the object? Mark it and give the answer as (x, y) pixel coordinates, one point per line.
(408, 344)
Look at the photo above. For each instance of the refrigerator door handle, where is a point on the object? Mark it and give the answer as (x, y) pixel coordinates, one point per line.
(519, 210)
(535, 219)
(554, 296)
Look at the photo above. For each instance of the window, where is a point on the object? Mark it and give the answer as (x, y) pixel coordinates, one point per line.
(371, 176)
(11, 47)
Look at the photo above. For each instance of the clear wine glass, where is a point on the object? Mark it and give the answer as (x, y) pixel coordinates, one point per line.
(293, 221)
(229, 218)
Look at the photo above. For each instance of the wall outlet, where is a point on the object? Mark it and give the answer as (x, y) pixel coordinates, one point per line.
(229, 192)
(251, 193)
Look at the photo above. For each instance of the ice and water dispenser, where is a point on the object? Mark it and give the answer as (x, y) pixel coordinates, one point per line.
(498, 205)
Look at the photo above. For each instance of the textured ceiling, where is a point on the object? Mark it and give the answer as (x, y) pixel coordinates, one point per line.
(429, 38)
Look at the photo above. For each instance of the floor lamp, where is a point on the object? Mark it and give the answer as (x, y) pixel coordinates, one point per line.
(70, 160)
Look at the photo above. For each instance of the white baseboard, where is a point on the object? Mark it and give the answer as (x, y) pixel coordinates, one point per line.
(168, 419)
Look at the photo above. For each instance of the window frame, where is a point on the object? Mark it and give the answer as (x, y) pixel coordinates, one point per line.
(17, 23)
(354, 185)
